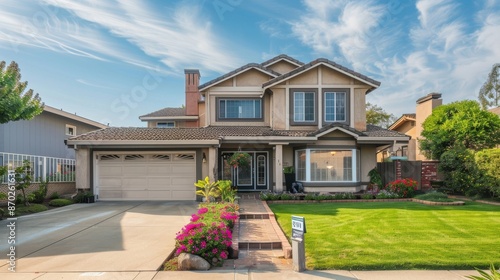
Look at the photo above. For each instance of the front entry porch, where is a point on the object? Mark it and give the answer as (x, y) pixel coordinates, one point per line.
(253, 177)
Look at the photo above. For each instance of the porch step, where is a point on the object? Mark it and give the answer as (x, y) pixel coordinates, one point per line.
(259, 245)
(257, 234)
(247, 216)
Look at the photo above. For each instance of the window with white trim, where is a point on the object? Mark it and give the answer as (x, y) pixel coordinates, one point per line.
(335, 106)
(165, 124)
(70, 130)
(326, 165)
(304, 106)
(240, 108)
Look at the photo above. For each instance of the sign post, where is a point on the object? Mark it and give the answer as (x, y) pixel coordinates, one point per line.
(298, 248)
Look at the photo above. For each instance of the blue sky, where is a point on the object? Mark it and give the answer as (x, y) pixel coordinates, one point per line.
(112, 61)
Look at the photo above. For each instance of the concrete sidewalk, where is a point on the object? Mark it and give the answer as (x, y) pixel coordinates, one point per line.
(251, 274)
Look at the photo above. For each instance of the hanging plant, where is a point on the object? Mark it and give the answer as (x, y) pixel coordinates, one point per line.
(239, 159)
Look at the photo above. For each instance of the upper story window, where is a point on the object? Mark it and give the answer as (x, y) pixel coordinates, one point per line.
(165, 124)
(303, 105)
(335, 106)
(239, 109)
(70, 130)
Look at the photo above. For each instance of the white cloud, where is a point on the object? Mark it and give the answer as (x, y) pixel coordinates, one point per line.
(338, 27)
(179, 38)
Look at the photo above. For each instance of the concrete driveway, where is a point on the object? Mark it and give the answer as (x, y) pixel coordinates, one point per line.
(103, 236)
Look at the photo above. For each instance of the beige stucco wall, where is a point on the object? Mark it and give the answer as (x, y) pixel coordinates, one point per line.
(251, 78)
(309, 77)
(226, 83)
(282, 67)
(408, 128)
(202, 110)
(359, 109)
(332, 77)
(279, 112)
(82, 168)
(288, 155)
(368, 161)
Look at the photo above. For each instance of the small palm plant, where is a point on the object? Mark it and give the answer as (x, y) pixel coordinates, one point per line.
(227, 193)
(207, 189)
(495, 275)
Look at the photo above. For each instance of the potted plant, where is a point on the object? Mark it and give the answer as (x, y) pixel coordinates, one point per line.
(375, 179)
(289, 172)
(239, 159)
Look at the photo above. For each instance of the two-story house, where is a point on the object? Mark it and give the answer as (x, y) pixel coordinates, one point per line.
(281, 112)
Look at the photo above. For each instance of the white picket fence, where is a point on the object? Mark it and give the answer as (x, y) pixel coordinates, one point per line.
(51, 168)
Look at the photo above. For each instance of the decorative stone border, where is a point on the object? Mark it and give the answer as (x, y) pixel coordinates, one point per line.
(285, 245)
(236, 238)
(453, 203)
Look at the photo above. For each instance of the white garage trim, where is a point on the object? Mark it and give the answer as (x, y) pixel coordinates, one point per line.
(145, 175)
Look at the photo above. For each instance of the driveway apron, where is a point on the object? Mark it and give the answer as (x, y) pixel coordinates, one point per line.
(103, 236)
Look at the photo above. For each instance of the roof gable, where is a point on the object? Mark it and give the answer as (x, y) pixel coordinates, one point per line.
(237, 72)
(404, 118)
(328, 63)
(282, 57)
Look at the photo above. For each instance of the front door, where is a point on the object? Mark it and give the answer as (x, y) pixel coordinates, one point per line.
(255, 176)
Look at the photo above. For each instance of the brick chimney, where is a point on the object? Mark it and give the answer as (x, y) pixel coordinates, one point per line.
(425, 105)
(192, 93)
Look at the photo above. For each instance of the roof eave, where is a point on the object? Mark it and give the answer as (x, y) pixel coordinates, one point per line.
(166, 118)
(142, 142)
(73, 116)
(374, 86)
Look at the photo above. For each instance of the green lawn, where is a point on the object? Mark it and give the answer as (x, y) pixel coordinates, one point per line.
(396, 235)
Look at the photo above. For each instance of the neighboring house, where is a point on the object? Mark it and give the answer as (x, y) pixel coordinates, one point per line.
(281, 112)
(45, 134)
(411, 125)
(495, 110)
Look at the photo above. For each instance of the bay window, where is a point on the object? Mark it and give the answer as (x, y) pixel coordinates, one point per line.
(327, 165)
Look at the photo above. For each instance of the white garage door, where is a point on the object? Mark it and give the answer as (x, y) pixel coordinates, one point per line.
(139, 176)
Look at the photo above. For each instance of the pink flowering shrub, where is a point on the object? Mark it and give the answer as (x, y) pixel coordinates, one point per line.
(403, 187)
(208, 235)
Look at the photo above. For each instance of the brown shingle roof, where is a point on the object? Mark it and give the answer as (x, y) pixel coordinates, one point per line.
(201, 133)
(495, 110)
(235, 71)
(280, 57)
(215, 132)
(166, 112)
(313, 63)
(377, 131)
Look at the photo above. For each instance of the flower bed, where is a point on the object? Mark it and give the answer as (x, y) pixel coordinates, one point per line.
(209, 234)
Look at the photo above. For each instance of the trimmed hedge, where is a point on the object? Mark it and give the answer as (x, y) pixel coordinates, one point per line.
(59, 202)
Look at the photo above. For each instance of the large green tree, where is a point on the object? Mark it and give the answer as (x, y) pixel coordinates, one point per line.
(489, 94)
(15, 104)
(461, 123)
(377, 116)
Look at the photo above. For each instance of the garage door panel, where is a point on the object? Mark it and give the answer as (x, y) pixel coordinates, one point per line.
(137, 169)
(159, 183)
(184, 169)
(110, 182)
(134, 183)
(159, 170)
(110, 170)
(136, 176)
(110, 194)
(138, 195)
